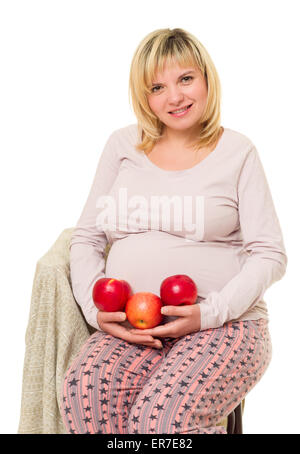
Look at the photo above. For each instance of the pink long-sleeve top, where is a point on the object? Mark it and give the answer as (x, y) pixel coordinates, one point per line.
(215, 222)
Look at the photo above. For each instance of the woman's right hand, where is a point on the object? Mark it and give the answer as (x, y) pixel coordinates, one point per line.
(110, 323)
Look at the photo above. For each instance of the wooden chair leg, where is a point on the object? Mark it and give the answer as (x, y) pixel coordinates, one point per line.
(238, 426)
(231, 422)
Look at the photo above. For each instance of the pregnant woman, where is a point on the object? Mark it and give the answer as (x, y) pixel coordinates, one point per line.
(176, 193)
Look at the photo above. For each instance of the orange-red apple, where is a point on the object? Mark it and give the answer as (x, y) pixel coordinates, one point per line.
(177, 290)
(143, 310)
(110, 294)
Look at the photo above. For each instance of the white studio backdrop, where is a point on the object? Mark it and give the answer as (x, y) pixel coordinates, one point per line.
(64, 89)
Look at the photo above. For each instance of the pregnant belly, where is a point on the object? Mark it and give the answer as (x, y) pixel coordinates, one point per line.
(146, 259)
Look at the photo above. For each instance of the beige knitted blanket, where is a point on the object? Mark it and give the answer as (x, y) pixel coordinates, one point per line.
(55, 332)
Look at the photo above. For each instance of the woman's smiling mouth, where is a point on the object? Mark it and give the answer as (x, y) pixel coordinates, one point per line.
(181, 112)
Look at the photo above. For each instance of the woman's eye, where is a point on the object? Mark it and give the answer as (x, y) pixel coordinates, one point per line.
(153, 89)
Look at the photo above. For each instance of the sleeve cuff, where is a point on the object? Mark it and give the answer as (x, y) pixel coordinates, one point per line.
(91, 318)
(209, 313)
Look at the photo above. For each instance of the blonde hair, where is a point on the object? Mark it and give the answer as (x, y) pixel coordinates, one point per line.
(150, 56)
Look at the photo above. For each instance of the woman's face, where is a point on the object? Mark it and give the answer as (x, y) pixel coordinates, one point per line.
(175, 88)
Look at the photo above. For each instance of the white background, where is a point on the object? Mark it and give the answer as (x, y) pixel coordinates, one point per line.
(64, 89)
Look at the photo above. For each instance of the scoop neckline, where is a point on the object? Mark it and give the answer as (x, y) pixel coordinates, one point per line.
(190, 169)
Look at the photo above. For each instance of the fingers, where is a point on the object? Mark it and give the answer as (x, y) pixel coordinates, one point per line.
(155, 343)
(144, 339)
(120, 331)
(107, 317)
(160, 331)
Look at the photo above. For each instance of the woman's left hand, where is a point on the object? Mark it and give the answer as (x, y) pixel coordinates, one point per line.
(188, 321)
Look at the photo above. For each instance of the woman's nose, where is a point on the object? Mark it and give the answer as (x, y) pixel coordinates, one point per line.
(175, 96)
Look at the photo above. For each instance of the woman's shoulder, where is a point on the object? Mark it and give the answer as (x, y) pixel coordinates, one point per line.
(124, 140)
(129, 132)
(238, 139)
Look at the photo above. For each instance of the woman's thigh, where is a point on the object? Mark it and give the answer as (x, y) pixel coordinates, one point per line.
(103, 382)
(202, 379)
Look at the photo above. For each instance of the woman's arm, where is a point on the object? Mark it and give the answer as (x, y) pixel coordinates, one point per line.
(263, 241)
(88, 241)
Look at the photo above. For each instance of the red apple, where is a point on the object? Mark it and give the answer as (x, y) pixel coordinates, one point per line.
(177, 290)
(110, 294)
(143, 310)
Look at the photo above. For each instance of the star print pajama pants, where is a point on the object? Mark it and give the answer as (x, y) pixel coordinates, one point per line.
(189, 386)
